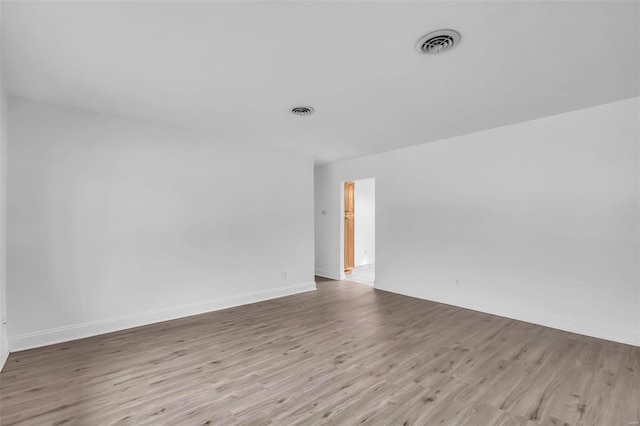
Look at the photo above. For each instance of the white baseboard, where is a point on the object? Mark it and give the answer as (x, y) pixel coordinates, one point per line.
(546, 319)
(3, 357)
(89, 329)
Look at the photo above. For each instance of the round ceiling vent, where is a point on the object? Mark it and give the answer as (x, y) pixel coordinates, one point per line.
(438, 42)
(302, 110)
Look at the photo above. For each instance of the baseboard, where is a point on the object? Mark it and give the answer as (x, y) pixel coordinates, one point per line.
(327, 274)
(546, 319)
(3, 357)
(89, 329)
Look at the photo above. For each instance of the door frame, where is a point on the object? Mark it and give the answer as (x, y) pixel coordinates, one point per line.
(340, 217)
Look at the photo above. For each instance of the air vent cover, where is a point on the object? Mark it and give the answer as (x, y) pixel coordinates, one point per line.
(302, 110)
(438, 42)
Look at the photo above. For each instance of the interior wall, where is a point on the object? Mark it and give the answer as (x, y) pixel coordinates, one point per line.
(114, 223)
(365, 221)
(4, 344)
(537, 221)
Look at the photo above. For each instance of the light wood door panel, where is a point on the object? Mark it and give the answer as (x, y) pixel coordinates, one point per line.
(349, 228)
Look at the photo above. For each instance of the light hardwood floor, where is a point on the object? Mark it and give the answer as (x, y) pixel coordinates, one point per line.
(345, 354)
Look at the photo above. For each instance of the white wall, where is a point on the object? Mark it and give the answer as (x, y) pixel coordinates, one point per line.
(4, 344)
(114, 223)
(537, 221)
(365, 221)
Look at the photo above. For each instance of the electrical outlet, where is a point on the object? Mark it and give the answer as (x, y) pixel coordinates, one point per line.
(457, 282)
(284, 275)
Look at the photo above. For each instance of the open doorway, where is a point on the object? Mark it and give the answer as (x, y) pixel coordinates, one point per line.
(360, 231)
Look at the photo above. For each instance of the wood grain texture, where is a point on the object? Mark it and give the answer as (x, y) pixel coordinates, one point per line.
(349, 227)
(346, 354)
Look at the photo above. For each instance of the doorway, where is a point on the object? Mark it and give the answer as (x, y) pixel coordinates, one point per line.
(359, 231)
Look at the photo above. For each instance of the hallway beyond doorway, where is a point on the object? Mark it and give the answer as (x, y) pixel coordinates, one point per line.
(364, 274)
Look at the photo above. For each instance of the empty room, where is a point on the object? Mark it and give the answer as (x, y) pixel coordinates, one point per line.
(320, 212)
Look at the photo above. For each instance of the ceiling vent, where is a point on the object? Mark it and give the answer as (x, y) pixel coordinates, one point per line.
(438, 42)
(302, 110)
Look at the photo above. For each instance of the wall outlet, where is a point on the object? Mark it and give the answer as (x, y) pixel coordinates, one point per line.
(457, 282)
(284, 275)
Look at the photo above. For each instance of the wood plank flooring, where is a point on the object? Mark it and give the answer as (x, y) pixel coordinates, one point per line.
(346, 354)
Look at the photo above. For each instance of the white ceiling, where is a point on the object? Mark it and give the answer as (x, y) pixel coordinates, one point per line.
(235, 68)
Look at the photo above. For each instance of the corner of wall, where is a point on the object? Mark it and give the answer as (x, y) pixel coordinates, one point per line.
(4, 355)
(4, 344)
(327, 274)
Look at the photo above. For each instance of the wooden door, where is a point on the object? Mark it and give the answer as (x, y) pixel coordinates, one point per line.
(349, 218)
